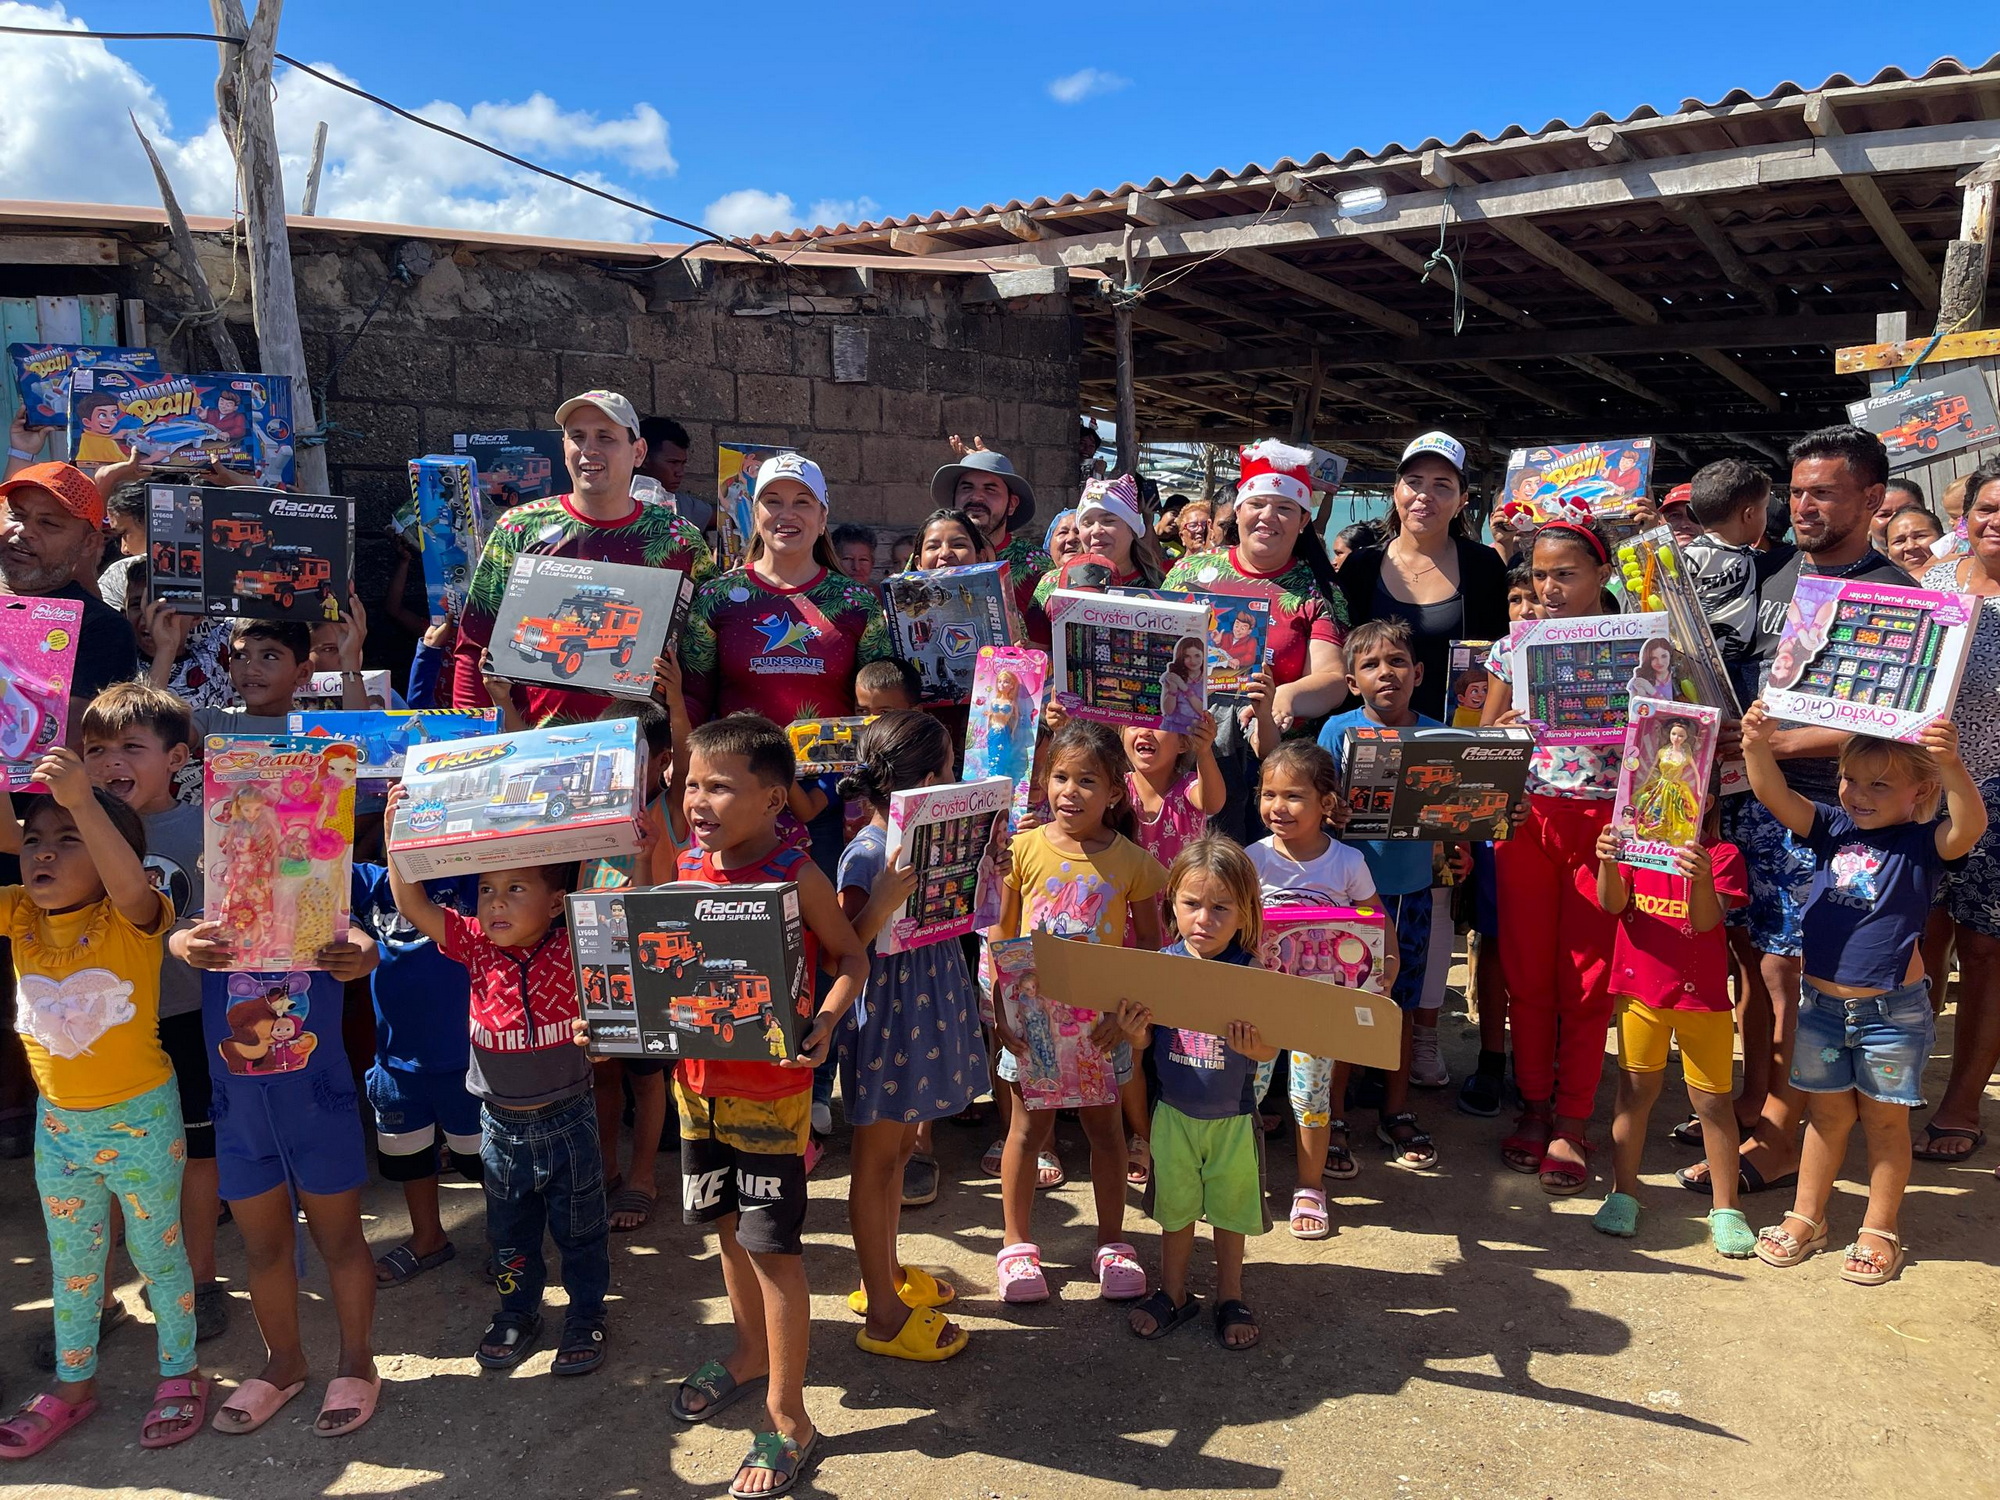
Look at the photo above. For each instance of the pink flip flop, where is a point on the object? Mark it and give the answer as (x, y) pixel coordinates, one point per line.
(349, 1393)
(182, 1399)
(54, 1415)
(1019, 1269)
(1120, 1277)
(258, 1400)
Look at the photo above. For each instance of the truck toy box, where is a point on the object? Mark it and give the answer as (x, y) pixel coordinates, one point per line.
(719, 971)
(1130, 661)
(1572, 679)
(1870, 658)
(173, 545)
(591, 625)
(1343, 945)
(279, 843)
(939, 621)
(601, 946)
(452, 519)
(1451, 784)
(271, 555)
(543, 796)
(515, 466)
(1601, 482)
(186, 422)
(826, 747)
(1239, 629)
(1009, 686)
(42, 375)
(38, 640)
(385, 736)
(951, 836)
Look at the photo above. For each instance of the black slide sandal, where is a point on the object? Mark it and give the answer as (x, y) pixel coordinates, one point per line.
(1235, 1314)
(1166, 1317)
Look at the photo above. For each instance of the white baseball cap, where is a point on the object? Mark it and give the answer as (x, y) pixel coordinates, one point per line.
(1442, 444)
(613, 405)
(793, 466)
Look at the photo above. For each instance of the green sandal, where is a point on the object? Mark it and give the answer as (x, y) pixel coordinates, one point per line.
(776, 1454)
(1619, 1215)
(715, 1385)
(1731, 1234)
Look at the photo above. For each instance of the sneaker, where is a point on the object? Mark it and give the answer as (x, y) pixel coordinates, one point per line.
(1427, 1069)
(822, 1117)
(1480, 1095)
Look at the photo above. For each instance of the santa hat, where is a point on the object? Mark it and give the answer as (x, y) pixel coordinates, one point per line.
(1276, 468)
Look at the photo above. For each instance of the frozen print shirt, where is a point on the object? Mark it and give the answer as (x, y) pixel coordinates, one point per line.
(787, 654)
(1080, 896)
(1301, 612)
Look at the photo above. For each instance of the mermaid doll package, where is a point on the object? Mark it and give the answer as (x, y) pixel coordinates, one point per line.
(279, 844)
(1009, 686)
(1663, 781)
(37, 662)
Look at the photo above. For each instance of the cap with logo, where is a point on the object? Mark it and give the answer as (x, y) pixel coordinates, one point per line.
(795, 467)
(73, 489)
(613, 405)
(1435, 445)
(1680, 494)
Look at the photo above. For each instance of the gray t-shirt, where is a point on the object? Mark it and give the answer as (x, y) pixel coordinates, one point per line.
(212, 720)
(697, 512)
(173, 860)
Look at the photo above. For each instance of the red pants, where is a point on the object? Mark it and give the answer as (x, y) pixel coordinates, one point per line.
(1555, 948)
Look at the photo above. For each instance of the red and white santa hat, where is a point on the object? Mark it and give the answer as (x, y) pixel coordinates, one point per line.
(1276, 468)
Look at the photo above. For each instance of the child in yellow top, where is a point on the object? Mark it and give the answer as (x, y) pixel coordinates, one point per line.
(86, 931)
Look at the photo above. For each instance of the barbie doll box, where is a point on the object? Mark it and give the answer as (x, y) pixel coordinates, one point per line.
(37, 662)
(718, 972)
(1009, 686)
(1061, 1069)
(1663, 780)
(1417, 783)
(952, 837)
(1870, 658)
(939, 620)
(1130, 661)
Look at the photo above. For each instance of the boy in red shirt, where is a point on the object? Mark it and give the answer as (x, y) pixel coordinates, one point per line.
(744, 1125)
(1670, 972)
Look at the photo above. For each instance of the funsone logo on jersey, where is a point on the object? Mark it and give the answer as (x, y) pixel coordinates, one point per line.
(787, 645)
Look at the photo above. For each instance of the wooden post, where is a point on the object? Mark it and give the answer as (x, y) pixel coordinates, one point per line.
(309, 205)
(1305, 410)
(189, 264)
(1968, 259)
(1128, 399)
(243, 105)
(1208, 473)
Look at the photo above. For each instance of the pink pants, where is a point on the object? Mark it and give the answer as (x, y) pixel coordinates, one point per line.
(1555, 948)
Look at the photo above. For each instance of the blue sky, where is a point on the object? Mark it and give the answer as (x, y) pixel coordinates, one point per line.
(762, 116)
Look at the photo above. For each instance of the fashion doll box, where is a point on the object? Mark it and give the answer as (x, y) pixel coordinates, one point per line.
(453, 517)
(826, 747)
(539, 797)
(324, 692)
(938, 621)
(1009, 686)
(38, 639)
(385, 736)
(597, 626)
(185, 422)
(1061, 1070)
(952, 837)
(718, 971)
(1663, 780)
(1421, 783)
(1130, 661)
(1572, 679)
(42, 375)
(274, 555)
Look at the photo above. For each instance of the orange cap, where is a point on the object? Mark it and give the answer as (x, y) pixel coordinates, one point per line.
(75, 489)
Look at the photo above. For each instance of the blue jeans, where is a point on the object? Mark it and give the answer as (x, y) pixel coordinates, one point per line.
(543, 1171)
(1877, 1045)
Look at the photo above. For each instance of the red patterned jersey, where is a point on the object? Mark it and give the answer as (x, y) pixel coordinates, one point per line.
(524, 1051)
(788, 654)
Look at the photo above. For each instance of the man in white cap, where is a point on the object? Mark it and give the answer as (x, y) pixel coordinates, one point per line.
(597, 520)
(1001, 503)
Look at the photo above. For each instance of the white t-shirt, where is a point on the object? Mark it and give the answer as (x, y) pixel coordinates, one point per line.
(1339, 877)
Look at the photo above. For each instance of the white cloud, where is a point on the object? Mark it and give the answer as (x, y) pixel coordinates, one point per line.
(1085, 83)
(749, 211)
(829, 213)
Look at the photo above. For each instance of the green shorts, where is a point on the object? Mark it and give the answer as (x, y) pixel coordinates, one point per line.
(1207, 1169)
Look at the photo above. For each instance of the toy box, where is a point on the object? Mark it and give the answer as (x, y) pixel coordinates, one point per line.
(452, 520)
(324, 692)
(1343, 945)
(543, 796)
(270, 555)
(825, 747)
(385, 736)
(279, 843)
(38, 639)
(1062, 1070)
(938, 621)
(1130, 661)
(1870, 658)
(1009, 686)
(1573, 678)
(42, 375)
(515, 466)
(601, 948)
(1657, 581)
(1663, 780)
(597, 626)
(719, 971)
(1599, 482)
(952, 837)
(1239, 629)
(1466, 684)
(1930, 418)
(173, 544)
(1452, 784)
(187, 422)
(736, 466)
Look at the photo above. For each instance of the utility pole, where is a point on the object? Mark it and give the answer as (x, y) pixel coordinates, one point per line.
(309, 205)
(243, 105)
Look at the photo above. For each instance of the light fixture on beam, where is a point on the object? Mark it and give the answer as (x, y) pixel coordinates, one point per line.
(1356, 203)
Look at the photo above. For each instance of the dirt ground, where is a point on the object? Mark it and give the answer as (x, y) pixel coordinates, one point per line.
(1461, 1335)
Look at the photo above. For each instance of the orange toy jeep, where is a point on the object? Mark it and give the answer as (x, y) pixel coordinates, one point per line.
(1459, 816)
(1430, 778)
(244, 536)
(294, 576)
(1929, 422)
(589, 620)
(664, 951)
(721, 1005)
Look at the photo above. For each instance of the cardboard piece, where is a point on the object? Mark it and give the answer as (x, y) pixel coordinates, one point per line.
(595, 626)
(1301, 1015)
(736, 466)
(1599, 482)
(42, 376)
(1930, 417)
(1452, 784)
(385, 736)
(1062, 1070)
(1130, 661)
(1239, 632)
(185, 422)
(1466, 684)
(38, 640)
(271, 555)
(515, 465)
(939, 621)
(1573, 678)
(1870, 658)
(1009, 686)
(278, 845)
(719, 971)
(826, 747)
(1663, 780)
(601, 948)
(452, 519)
(543, 796)
(951, 836)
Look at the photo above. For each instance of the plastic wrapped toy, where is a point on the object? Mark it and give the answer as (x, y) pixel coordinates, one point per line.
(279, 844)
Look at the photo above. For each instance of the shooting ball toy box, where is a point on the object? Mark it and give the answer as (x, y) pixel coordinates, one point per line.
(1573, 678)
(451, 524)
(1601, 482)
(1062, 1070)
(271, 555)
(951, 836)
(1009, 686)
(1433, 783)
(385, 736)
(826, 747)
(186, 422)
(592, 625)
(1239, 630)
(279, 844)
(38, 639)
(1466, 684)
(938, 621)
(719, 972)
(601, 946)
(1343, 945)
(1663, 780)
(1929, 419)
(515, 466)
(540, 797)
(1870, 658)
(1130, 661)
(42, 375)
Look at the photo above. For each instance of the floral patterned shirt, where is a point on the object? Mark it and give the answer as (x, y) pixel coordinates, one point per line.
(787, 654)
(1301, 612)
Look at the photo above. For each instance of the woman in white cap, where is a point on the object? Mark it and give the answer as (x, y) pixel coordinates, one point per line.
(1110, 525)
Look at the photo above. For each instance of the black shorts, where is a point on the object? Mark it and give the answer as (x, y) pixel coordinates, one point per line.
(722, 1172)
(180, 1039)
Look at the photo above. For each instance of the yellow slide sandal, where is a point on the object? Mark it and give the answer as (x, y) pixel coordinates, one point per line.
(916, 1340)
(919, 1289)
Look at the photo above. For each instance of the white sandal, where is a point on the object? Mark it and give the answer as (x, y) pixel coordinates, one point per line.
(1883, 1272)
(1787, 1249)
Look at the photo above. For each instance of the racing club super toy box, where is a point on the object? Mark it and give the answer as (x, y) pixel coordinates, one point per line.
(600, 942)
(540, 797)
(1415, 783)
(272, 555)
(719, 971)
(592, 625)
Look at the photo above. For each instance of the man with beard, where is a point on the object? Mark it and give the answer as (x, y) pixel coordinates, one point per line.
(1000, 503)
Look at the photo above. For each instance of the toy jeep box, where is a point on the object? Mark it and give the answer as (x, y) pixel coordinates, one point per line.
(826, 747)
(271, 555)
(1452, 784)
(590, 625)
(1130, 661)
(939, 620)
(173, 545)
(719, 971)
(186, 422)
(515, 466)
(543, 796)
(453, 518)
(42, 375)
(386, 736)
(601, 947)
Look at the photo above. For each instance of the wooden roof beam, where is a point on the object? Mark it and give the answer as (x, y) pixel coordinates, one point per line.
(1534, 390)
(915, 242)
(1823, 120)
(1180, 329)
(1020, 226)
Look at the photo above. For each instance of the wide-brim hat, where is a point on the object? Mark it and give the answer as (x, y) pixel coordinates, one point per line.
(944, 483)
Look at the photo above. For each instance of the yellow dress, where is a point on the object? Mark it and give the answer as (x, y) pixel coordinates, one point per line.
(1666, 806)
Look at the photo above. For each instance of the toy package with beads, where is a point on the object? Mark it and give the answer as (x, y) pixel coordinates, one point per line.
(1657, 580)
(278, 845)
(1573, 679)
(1130, 661)
(38, 640)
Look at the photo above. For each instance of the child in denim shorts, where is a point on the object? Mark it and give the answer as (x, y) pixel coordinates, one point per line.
(1865, 1027)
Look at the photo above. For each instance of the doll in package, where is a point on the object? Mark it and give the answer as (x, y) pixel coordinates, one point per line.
(279, 844)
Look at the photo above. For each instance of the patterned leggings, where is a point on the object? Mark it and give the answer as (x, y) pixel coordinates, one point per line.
(83, 1157)
(1311, 1088)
